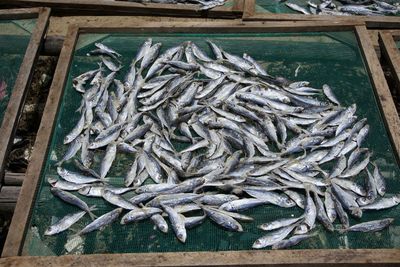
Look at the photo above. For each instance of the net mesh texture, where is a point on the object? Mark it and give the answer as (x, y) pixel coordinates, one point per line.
(333, 58)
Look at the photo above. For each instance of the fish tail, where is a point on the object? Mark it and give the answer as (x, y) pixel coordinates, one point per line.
(343, 230)
(105, 180)
(58, 164)
(92, 216)
(92, 208)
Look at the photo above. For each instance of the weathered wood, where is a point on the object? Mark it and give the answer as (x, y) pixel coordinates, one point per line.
(372, 22)
(249, 9)
(222, 26)
(52, 45)
(327, 257)
(107, 7)
(21, 85)
(19, 13)
(8, 198)
(381, 87)
(391, 55)
(273, 258)
(29, 187)
(13, 178)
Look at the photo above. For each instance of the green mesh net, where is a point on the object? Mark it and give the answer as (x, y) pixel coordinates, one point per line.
(276, 6)
(333, 58)
(14, 39)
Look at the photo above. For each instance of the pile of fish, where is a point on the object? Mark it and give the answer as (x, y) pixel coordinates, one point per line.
(204, 4)
(213, 136)
(348, 7)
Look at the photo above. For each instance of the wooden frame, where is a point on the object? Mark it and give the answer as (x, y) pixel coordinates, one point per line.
(334, 257)
(250, 14)
(123, 7)
(22, 82)
(390, 53)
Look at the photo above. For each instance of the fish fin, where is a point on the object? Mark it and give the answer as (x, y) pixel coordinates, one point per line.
(307, 187)
(104, 180)
(92, 216)
(58, 164)
(92, 208)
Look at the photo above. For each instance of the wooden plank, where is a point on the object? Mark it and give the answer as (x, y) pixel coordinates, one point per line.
(391, 55)
(29, 187)
(19, 13)
(104, 7)
(381, 87)
(238, 5)
(249, 9)
(372, 22)
(299, 258)
(13, 178)
(328, 257)
(8, 198)
(21, 87)
(52, 46)
(222, 26)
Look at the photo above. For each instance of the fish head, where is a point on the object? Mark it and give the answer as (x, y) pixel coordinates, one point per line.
(50, 231)
(163, 228)
(52, 181)
(60, 170)
(356, 212)
(84, 190)
(381, 190)
(181, 237)
(301, 229)
(363, 201)
(258, 244)
(288, 202)
(124, 220)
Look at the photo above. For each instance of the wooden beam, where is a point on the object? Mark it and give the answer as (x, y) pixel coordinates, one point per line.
(8, 198)
(13, 178)
(19, 13)
(249, 8)
(391, 55)
(270, 258)
(381, 87)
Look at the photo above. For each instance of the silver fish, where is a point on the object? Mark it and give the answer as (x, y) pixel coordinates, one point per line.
(101, 222)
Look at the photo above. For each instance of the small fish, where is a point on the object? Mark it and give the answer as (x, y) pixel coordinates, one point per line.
(273, 237)
(329, 94)
(160, 223)
(371, 226)
(297, 8)
(279, 223)
(223, 220)
(65, 223)
(177, 222)
(118, 200)
(380, 181)
(73, 200)
(294, 240)
(383, 203)
(101, 222)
